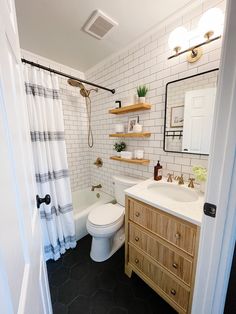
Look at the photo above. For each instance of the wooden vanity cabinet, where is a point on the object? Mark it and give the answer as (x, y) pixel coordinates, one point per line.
(162, 250)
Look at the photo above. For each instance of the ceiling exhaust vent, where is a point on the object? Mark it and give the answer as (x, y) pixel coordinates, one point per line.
(99, 24)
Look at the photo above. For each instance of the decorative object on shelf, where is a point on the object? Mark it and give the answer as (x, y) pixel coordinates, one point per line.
(201, 176)
(137, 128)
(126, 154)
(138, 154)
(177, 117)
(119, 147)
(130, 99)
(119, 128)
(98, 162)
(131, 161)
(210, 24)
(119, 103)
(131, 108)
(158, 171)
(131, 123)
(142, 92)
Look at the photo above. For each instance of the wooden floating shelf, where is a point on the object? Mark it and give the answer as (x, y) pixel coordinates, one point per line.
(131, 161)
(143, 134)
(131, 108)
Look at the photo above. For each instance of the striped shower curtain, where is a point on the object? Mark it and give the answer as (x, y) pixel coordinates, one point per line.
(50, 161)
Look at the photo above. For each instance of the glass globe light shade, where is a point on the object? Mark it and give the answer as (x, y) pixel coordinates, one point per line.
(211, 23)
(178, 39)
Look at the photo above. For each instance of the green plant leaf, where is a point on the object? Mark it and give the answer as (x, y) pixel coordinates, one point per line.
(142, 90)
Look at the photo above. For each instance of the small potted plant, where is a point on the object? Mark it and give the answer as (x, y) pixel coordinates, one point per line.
(119, 147)
(142, 92)
(201, 176)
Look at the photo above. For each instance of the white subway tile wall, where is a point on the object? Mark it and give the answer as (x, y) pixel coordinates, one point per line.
(145, 63)
(75, 121)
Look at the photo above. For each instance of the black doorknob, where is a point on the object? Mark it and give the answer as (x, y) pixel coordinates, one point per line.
(46, 200)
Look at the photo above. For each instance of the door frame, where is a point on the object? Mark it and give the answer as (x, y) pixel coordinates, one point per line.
(218, 234)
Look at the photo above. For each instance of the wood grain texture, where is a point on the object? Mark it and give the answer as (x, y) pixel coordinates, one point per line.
(152, 248)
(170, 287)
(130, 108)
(176, 231)
(141, 134)
(131, 161)
(128, 269)
(194, 268)
(162, 253)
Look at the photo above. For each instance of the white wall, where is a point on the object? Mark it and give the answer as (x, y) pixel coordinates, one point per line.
(145, 62)
(75, 120)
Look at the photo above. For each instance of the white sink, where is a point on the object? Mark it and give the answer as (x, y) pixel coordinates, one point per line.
(172, 192)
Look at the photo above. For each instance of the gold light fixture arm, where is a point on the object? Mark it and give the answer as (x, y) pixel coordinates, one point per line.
(194, 49)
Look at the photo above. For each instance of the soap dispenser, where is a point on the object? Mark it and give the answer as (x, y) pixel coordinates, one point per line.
(158, 171)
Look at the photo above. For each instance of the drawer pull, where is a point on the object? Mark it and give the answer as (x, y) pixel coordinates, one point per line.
(173, 291)
(136, 239)
(177, 235)
(136, 260)
(137, 214)
(175, 265)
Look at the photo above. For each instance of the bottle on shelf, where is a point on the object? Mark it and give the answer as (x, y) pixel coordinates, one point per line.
(158, 171)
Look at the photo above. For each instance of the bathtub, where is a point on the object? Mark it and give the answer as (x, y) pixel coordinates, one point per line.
(83, 202)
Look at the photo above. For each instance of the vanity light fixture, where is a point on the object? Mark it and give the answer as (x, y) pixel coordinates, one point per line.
(210, 27)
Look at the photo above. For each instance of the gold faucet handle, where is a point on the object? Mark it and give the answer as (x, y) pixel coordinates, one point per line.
(170, 177)
(180, 179)
(191, 184)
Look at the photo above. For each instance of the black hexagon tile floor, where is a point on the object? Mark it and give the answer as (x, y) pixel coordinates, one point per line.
(80, 286)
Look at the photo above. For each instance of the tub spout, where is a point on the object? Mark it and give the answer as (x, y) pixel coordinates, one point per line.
(99, 186)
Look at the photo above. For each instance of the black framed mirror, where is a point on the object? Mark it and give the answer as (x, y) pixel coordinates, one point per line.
(189, 109)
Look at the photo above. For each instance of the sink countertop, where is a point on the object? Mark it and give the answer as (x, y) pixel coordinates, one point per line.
(190, 211)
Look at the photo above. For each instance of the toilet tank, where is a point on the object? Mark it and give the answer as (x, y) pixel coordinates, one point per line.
(121, 184)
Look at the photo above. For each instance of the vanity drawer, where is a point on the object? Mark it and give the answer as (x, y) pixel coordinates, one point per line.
(159, 251)
(171, 288)
(178, 232)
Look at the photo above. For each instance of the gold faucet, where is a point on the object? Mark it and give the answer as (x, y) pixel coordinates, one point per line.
(191, 184)
(180, 179)
(98, 162)
(99, 186)
(169, 178)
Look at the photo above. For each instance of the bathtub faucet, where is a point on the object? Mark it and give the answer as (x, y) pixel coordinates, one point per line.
(99, 186)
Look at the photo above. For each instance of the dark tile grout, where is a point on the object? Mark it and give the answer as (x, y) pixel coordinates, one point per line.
(79, 285)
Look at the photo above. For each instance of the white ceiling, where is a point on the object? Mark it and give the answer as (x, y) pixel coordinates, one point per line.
(52, 28)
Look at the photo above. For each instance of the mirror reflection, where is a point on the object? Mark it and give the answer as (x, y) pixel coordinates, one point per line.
(189, 112)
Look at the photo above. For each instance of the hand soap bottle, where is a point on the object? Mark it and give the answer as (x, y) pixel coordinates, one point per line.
(158, 171)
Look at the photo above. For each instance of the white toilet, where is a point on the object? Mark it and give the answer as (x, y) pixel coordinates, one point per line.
(105, 223)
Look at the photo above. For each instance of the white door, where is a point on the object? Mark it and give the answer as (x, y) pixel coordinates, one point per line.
(218, 234)
(198, 116)
(23, 276)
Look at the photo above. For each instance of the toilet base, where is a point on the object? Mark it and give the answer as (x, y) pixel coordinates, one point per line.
(104, 248)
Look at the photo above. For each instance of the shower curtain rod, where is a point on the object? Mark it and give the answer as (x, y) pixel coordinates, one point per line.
(66, 75)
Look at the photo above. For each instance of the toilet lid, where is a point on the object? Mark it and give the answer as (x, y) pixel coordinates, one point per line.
(106, 214)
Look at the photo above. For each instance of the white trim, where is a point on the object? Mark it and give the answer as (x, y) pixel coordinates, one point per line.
(218, 235)
(46, 292)
(228, 244)
(24, 289)
(5, 293)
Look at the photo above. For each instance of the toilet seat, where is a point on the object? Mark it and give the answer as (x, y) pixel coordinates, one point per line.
(106, 215)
